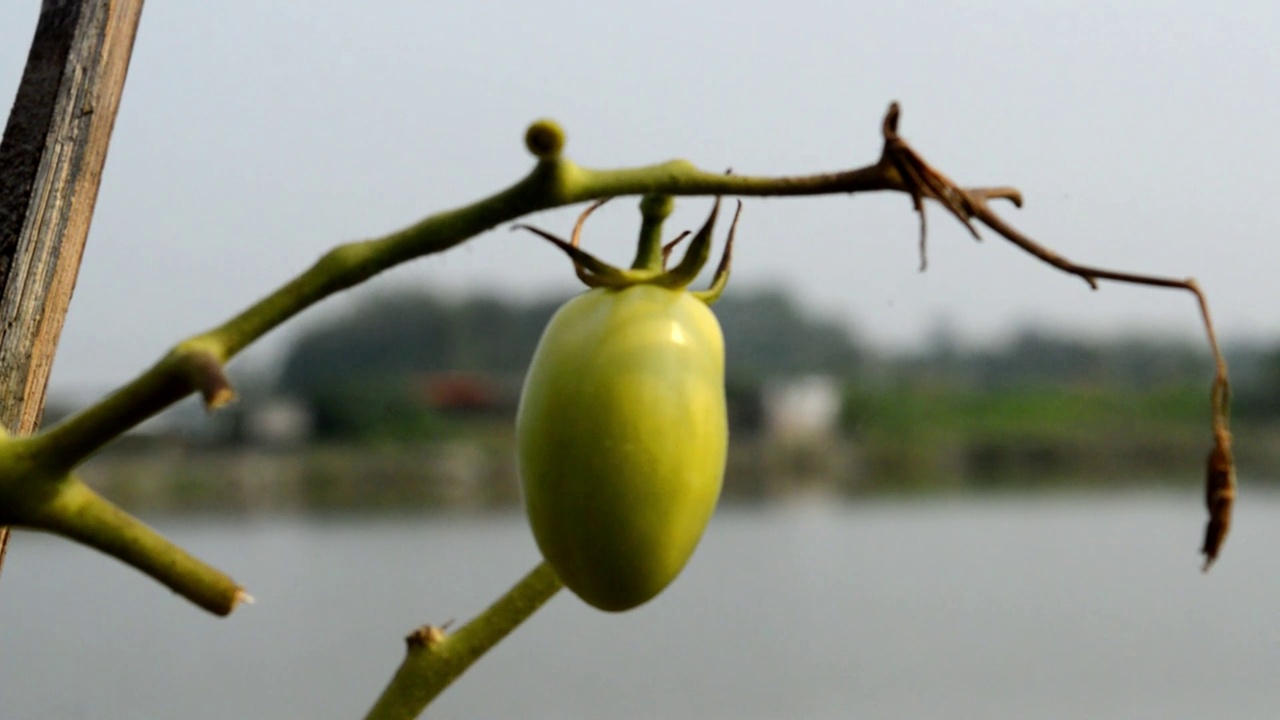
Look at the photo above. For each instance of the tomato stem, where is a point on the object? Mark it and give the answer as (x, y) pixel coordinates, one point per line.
(434, 660)
(654, 210)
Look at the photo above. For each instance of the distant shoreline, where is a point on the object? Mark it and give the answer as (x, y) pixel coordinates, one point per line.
(478, 473)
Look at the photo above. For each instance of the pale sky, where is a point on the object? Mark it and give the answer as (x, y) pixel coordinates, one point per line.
(254, 136)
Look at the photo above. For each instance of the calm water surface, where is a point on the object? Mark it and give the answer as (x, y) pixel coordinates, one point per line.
(1027, 609)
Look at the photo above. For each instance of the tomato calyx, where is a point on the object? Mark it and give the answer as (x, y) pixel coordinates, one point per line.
(650, 266)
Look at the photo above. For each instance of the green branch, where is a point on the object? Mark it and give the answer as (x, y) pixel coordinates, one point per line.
(37, 490)
(554, 182)
(70, 508)
(196, 364)
(434, 660)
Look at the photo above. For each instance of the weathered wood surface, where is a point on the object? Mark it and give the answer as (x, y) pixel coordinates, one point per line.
(51, 159)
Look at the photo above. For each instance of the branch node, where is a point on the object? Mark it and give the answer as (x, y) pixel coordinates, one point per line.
(203, 369)
(657, 206)
(921, 181)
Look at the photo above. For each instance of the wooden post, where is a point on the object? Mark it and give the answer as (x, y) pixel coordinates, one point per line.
(51, 159)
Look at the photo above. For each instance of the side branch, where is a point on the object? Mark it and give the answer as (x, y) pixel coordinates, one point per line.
(922, 181)
(70, 508)
(1220, 475)
(434, 660)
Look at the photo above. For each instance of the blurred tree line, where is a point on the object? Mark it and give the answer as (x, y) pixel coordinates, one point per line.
(361, 373)
(366, 373)
(1033, 357)
(766, 333)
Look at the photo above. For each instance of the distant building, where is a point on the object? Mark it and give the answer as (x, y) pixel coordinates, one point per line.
(276, 421)
(801, 408)
(469, 394)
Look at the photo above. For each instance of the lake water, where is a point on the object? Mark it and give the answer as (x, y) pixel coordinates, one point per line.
(1028, 609)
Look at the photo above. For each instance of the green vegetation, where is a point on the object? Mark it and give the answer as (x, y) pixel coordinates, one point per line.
(358, 371)
(362, 374)
(947, 438)
(409, 333)
(372, 410)
(915, 413)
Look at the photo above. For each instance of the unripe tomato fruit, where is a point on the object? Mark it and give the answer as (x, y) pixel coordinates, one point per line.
(622, 436)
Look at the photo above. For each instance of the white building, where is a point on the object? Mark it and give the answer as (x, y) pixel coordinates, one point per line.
(804, 407)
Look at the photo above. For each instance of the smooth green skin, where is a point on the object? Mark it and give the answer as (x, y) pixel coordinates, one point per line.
(622, 435)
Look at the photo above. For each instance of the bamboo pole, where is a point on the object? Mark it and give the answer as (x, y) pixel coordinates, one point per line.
(51, 159)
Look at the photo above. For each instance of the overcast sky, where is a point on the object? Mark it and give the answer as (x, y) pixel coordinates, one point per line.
(253, 136)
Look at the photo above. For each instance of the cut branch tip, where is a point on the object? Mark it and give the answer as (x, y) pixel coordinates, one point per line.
(215, 389)
(203, 368)
(220, 398)
(545, 139)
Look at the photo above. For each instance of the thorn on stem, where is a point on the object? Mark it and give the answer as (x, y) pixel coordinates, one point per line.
(424, 637)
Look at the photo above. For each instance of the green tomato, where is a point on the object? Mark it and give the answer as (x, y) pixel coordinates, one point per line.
(622, 436)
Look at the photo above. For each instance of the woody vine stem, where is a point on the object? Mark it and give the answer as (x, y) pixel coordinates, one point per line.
(38, 487)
